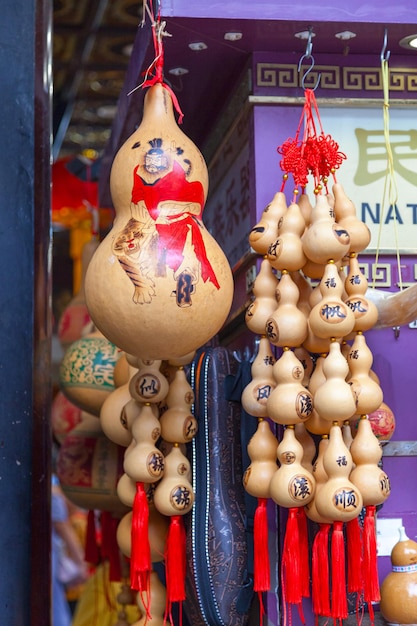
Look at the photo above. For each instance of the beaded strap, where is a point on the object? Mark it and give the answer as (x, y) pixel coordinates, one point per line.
(405, 568)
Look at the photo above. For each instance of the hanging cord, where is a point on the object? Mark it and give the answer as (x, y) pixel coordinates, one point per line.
(155, 72)
(390, 185)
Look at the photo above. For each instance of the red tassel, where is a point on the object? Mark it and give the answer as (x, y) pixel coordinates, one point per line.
(339, 600)
(371, 591)
(291, 566)
(92, 554)
(320, 572)
(175, 562)
(140, 560)
(109, 547)
(304, 552)
(354, 556)
(262, 578)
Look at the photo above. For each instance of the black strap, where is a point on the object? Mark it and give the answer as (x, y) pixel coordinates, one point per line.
(235, 384)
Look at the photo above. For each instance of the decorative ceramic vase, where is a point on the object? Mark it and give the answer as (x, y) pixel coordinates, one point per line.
(289, 402)
(398, 590)
(64, 416)
(89, 466)
(86, 371)
(75, 316)
(382, 422)
(158, 272)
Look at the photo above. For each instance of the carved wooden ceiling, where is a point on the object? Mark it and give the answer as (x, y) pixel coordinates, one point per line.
(93, 41)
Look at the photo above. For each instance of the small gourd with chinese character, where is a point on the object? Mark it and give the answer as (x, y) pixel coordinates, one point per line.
(367, 390)
(158, 272)
(338, 499)
(265, 302)
(320, 476)
(331, 316)
(367, 475)
(287, 325)
(356, 285)
(256, 393)
(334, 399)
(289, 402)
(292, 485)
(265, 232)
(113, 413)
(324, 239)
(286, 253)
(345, 213)
(178, 424)
(262, 451)
(174, 494)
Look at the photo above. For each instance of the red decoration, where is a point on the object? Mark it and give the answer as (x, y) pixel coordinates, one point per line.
(261, 565)
(304, 552)
(140, 561)
(92, 554)
(320, 572)
(175, 563)
(371, 591)
(316, 154)
(339, 600)
(109, 548)
(354, 551)
(291, 578)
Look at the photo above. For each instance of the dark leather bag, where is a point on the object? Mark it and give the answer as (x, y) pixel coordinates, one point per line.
(219, 584)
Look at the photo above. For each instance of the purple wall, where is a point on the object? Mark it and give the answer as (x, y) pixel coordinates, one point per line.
(326, 11)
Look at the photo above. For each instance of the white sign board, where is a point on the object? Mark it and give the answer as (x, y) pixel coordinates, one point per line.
(364, 174)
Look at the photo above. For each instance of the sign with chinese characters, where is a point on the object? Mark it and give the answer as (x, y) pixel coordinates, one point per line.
(227, 211)
(364, 174)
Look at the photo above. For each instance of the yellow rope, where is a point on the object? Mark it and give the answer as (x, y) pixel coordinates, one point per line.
(390, 185)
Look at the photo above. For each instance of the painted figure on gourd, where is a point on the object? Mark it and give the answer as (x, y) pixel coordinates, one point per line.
(159, 270)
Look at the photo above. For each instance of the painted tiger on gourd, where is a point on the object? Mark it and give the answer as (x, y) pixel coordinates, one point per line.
(134, 247)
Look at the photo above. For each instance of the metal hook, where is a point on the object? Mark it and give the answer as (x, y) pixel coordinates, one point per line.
(384, 53)
(308, 55)
(303, 85)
